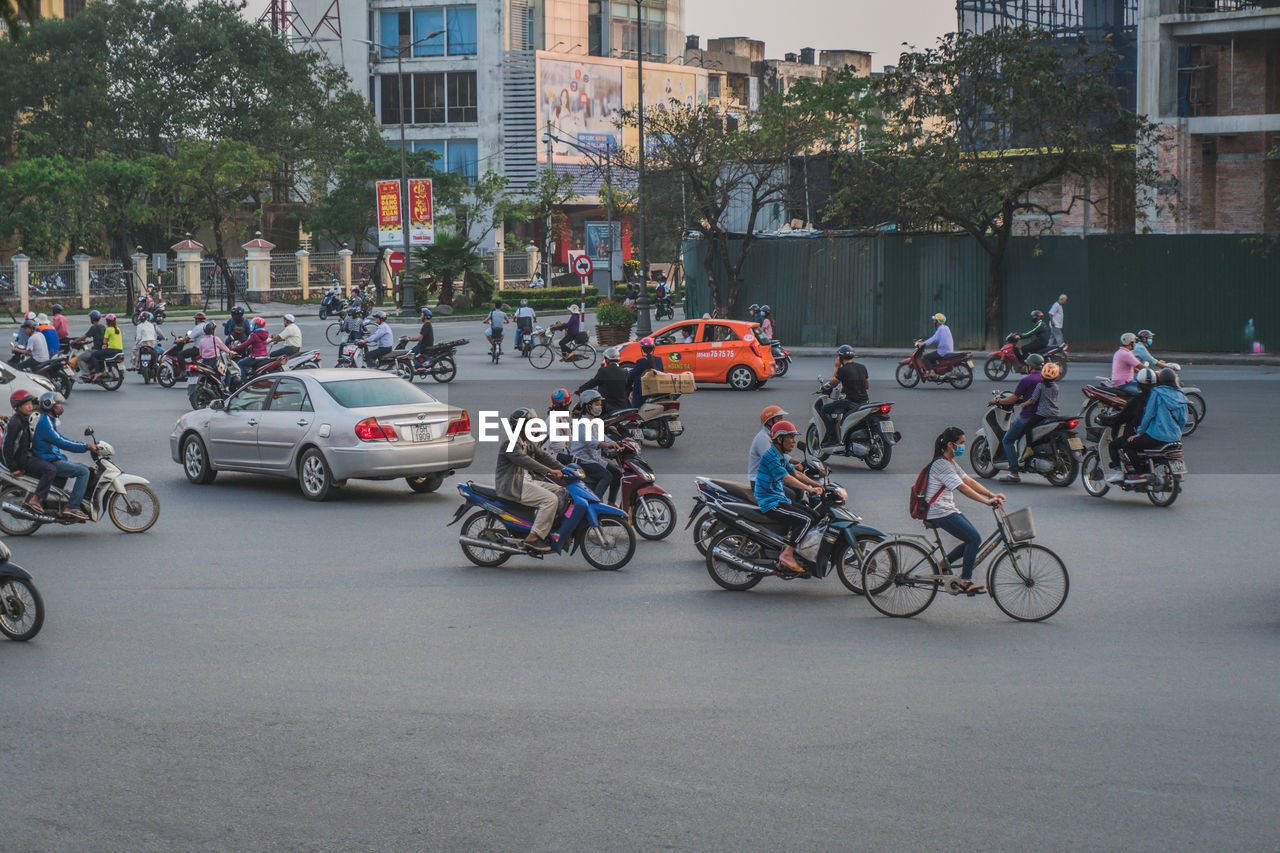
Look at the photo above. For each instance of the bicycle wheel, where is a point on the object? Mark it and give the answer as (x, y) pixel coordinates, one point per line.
(541, 356)
(333, 334)
(1028, 582)
(898, 578)
(586, 356)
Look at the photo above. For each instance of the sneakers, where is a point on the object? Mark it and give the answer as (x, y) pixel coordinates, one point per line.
(540, 545)
(1010, 477)
(1116, 476)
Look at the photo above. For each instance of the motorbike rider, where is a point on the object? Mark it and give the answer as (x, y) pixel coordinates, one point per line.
(144, 335)
(753, 313)
(254, 348)
(290, 337)
(941, 340)
(1033, 340)
(48, 444)
(561, 401)
(353, 325)
(1124, 424)
(35, 350)
(769, 416)
(647, 361)
(766, 322)
(237, 328)
(775, 472)
(496, 319)
(44, 327)
(112, 346)
(18, 458)
(573, 334)
(210, 345)
(525, 318)
(945, 479)
(611, 381)
(514, 483)
(601, 474)
(1124, 364)
(59, 323)
(852, 377)
(1022, 393)
(1142, 354)
(1164, 416)
(380, 340)
(426, 336)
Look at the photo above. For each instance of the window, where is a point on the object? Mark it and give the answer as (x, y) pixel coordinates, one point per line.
(252, 397)
(426, 22)
(290, 396)
(395, 33)
(437, 147)
(462, 31)
(464, 156)
(456, 25)
(381, 391)
(462, 96)
(393, 96)
(428, 99)
(716, 332)
(713, 86)
(677, 335)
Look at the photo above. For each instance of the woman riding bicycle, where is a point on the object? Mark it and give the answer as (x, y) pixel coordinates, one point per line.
(945, 479)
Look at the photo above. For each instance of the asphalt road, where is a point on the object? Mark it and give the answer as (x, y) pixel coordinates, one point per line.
(262, 672)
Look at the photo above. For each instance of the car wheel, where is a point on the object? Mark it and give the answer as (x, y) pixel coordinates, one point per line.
(195, 461)
(424, 484)
(314, 477)
(741, 378)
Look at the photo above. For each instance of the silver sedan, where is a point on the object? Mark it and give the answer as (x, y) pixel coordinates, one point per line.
(325, 427)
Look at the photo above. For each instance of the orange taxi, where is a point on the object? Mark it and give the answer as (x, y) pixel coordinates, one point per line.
(723, 351)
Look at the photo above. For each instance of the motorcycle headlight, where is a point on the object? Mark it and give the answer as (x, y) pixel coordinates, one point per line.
(649, 478)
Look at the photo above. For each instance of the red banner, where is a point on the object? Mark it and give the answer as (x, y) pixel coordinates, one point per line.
(390, 228)
(421, 221)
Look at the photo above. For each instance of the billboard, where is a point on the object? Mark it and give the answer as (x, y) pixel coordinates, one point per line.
(421, 213)
(390, 230)
(422, 230)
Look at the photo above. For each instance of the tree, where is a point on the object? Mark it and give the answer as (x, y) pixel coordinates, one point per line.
(975, 126)
(347, 209)
(15, 13)
(544, 201)
(34, 197)
(452, 258)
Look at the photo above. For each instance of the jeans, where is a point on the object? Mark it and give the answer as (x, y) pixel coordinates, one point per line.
(44, 470)
(1140, 443)
(371, 356)
(829, 412)
(601, 479)
(248, 365)
(961, 528)
(285, 351)
(99, 356)
(1017, 428)
(1130, 387)
(81, 475)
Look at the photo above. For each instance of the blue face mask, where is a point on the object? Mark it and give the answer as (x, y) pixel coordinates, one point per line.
(959, 450)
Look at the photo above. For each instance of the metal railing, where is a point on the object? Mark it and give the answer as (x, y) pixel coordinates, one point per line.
(324, 269)
(108, 279)
(53, 279)
(284, 271)
(1200, 7)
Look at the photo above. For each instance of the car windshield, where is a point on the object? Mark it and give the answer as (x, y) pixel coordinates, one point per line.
(372, 392)
(759, 333)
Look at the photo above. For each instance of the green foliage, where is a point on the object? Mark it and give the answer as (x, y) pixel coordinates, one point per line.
(452, 258)
(611, 312)
(347, 210)
(13, 13)
(561, 295)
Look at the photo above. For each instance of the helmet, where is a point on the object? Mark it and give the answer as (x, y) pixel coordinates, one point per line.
(560, 397)
(768, 413)
(51, 401)
(845, 351)
(28, 324)
(1051, 371)
(940, 317)
(782, 428)
(94, 315)
(146, 316)
(764, 309)
(613, 354)
(1146, 376)
(57, 309)
(237, 311)
(426, 312)
(210, 328)
(646, 345)
(1037, 315)
(1128, 339)
(199, 316)
(259, 322)
(30, 315)
(380, 315)
(1146, 333)
(522, 303)
(289, 318)
(17, 398)
(521, 414)
(1035, 361)
(586, 398)
(753, 307)
(1167, 376)
(353, 311)
(110, 318)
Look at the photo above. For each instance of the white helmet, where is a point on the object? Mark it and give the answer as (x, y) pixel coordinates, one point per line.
(1146, 376)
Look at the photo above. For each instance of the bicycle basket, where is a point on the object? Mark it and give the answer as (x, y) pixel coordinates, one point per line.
(1021, 526)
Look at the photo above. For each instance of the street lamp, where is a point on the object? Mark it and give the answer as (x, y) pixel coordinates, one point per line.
(608, 170)
(407, 301)
(643, 326)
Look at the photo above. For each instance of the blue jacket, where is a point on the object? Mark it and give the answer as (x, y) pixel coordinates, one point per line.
(51, 337)
(47, 440)
(1165, 415)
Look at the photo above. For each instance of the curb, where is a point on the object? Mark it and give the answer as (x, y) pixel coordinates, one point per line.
(1184, 358)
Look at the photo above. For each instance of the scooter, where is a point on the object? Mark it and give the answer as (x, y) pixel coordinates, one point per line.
(439, 362)
(206, 384)
(303, 361)
(1161, 481)
(332, 303)
(497, 528)
(665, 308)
(127, 498)
(865, 432)
(111, 377)
(653, 513)
(659, 419)
(1102, 400)
(1055, 448)
(21, 607)
(999, 364)
(955, 369)
(59, 372)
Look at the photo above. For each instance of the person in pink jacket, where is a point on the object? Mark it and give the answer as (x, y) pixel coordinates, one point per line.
(255, 345)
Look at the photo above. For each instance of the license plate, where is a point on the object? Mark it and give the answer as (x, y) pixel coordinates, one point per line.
(886, 427)
(1075, 443)
(675, 426)
(421, 432)
(146, 359)
(637, 434)
(1178, 466)
(192, 380)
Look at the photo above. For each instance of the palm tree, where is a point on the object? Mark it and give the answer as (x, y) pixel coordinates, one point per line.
(452, 258)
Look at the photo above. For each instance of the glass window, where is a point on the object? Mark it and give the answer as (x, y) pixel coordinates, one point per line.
(290, 396)
(428, 99)
(713, 86)
(464, 156)
(715, 332)
(462, 97)
(375, 391)
(462, 31)
(677, 335)
(389, 34)
(437, 147)
(426, 22)
(392, 96)
(252, 397)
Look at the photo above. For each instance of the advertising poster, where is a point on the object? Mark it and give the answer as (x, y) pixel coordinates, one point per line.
(596, 240)
(422, 230)
(663, 88)
(390, 231)
(581, 101)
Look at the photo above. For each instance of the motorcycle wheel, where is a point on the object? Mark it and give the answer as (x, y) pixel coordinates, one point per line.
(200, 396)
(64, 384)
(333, 334)
(907, 376)
(1197, 402)
(1093, 475)
(961, 376)
(995, 367)
(426, 483)
(704, 531)
(609, 545)
(166, 377)
(879, 454)
(12, 525)
(653, 516)
(324, 313)
(1168, 486)
(136, 510)
(848, 562)
(1193, 420)
(725, 574)
(404, 370)
(980, 459)
(1065, 467)
(113, 378)
(541, 356)
(444, 369)
(1096, 410)
(784, 364)
(666, 438)
(21, 609)
(482, 525)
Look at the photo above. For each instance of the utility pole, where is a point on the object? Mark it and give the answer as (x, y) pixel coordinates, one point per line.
(546, 244)
(407, 296)
(643, 325)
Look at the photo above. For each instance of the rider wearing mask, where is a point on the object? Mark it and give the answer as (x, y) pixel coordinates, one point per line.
(1033, 340)
(210, 345)
(237, 328)
(1124, 364)
(514, 482)
(648, 361)
(144, 335)
(941, 341)
(766, 322)
(760, 445)
(560, 402)
(1022, 393)
(611, 381)
(112, 346)
(48, 444)
(1124, 424)
(380, 341)
(290, 338)
(775, 472)
(1164, 417)
(602, 476)
(853, 381)
(353, 325)
(945, 479)
(1145, 338)
(18, 458)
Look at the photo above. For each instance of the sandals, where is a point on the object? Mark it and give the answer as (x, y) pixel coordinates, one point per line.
(969, 588)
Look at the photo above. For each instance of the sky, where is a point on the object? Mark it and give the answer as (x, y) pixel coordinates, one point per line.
(785, 26)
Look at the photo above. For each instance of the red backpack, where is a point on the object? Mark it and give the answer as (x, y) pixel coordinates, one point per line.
(918, 505)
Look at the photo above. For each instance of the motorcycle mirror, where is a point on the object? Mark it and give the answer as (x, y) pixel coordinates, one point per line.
(88, 430)
(218, 405)
(802, 446)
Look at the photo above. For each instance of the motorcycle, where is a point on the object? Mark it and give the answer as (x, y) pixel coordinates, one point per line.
(746, 550)
(57, 370)
(439, 361)
(665, 308)
(332, 302)
(302, 361)
(151, 361)
(1102, 400)
(1055, 448)
(653, 513)
(866, 431)
(955, 369)
(659, 419)
(111, 377)
(21, 607)
(781, 358)
(171, 364)
(151, 305)
(497, 528)
(127, 498)
(1002, 361)
(206, 384)
(1162, 480)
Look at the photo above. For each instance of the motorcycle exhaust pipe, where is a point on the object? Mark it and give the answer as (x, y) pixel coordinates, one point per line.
(24, 512)
(486, 543)
(858, 449)
(739, 563)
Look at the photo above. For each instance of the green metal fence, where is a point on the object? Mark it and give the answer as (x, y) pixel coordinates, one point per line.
(1197, 292)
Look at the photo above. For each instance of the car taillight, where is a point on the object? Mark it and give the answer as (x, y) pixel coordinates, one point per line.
(671, 406)
(370, 430)
(884, 410)
(460, 425)
(755, 349)
(1073, 423)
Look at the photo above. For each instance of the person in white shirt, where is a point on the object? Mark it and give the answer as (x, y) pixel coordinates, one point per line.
(290, 336)
(526, 317)
(144, 335)
(36, 349)
(762, 442)
(945, 479)
(1055, 322)
(380, 341)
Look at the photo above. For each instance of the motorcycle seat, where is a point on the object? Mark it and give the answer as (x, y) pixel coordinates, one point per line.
(517, 509)
(739, 490)
(957, 356)
(751, 512)
(1163, 449)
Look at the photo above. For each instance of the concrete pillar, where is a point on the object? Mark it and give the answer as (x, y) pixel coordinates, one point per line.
(258, 253)
(531, 253)
(304, 272)
(139, 259)
(189, 253)
(500, 268)
(344, 270)
(82, 276)
(22, 280)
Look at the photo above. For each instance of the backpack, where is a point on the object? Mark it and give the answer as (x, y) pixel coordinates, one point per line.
(917, 504)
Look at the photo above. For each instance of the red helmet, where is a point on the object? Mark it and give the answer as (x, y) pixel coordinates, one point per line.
(198, 316)
(259, 322)
(560, 397)
(783, 428)
(17, 398)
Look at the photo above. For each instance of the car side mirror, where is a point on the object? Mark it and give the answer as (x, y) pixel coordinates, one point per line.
(218, 405)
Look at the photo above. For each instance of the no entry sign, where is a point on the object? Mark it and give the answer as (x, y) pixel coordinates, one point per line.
(395, 260)
(582, 266)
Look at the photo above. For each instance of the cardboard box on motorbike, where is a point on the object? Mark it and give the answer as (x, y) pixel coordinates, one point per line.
(656, 382)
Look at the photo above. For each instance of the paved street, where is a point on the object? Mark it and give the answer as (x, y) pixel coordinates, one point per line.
(261, 672)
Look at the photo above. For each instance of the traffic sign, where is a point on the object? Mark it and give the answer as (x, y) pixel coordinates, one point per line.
(582, 266)
(395, 260)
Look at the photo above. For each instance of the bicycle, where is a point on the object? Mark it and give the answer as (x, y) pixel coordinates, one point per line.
(1028, 582)
(580, 355)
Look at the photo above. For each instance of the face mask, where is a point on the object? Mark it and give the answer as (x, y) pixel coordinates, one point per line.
(959, 450)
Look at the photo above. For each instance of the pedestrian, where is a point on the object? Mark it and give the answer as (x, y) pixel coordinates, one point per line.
(1055, 322)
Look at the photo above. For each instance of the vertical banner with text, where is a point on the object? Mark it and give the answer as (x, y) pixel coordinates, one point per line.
(422, 230)
(390, 229)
